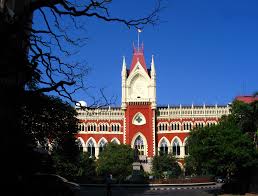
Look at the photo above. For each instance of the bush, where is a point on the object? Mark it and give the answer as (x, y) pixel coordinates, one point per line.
(165, 166)
(116, 160)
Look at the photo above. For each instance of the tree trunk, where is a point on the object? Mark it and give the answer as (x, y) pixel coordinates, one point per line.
(14, 73)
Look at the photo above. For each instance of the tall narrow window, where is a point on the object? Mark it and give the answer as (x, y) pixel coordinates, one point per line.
(79, 144)
(91, 148)
(176, 148)
(102, 145)
(163, 147)
(139, 145)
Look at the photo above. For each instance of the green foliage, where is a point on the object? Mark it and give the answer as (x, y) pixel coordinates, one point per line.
(70, 162)
(47, 117)
(220, 150)
(42, 119)
(245, 115)
(165, 166)
(83, 166)
(117, 160)
(87, 166)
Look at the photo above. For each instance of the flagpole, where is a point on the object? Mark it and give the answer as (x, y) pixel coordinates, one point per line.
(138, 39)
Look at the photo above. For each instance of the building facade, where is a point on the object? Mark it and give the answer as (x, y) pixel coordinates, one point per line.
(139, 122)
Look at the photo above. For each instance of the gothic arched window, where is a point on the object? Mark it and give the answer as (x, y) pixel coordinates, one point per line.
(176, 148)
(91, 148)
(163, 147)
(79, 144)
(102, 145)
(115, 141)
(139, 144)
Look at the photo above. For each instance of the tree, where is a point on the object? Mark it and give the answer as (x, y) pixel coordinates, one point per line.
(244, 114)
(46, 119)
(69, 161)
(220, 150)
(246, 117)
(34, 55)
(36, 60)
(165, 165)
(117, 160)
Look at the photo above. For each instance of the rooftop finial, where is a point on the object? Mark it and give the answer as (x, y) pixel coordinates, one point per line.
(124, 63)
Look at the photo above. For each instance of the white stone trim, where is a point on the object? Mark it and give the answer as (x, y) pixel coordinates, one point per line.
(103, 138)
(94, 141)
(153, 132)
(101, 132)
(124, 131)
(185, 141)
(193, 112)
(115, 139)
(179, 140)
(176, 131)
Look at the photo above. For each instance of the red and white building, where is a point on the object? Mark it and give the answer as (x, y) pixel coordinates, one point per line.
(139, 121)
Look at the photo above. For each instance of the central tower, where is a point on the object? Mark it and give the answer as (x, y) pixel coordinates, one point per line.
(138, 83)
(139, 103)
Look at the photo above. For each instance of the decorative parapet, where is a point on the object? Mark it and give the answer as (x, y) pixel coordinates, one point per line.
(192, 111)
(100, 114)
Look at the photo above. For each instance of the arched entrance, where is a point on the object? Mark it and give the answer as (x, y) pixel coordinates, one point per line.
(140, 142)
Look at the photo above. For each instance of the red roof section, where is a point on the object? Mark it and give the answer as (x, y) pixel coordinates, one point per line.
(247, 99)
(138, 55)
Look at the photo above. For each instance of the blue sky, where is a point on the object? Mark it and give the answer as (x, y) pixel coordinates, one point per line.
(206, 51)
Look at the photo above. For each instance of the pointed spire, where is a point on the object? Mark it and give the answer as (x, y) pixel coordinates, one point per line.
(152, 62)
(153, 71)
(124, 67)
(124, 63)
(138, 57)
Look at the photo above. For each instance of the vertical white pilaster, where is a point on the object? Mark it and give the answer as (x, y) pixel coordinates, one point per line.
(153, 85)
(124, 76)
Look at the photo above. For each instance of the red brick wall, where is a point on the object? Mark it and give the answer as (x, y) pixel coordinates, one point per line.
(145, 129)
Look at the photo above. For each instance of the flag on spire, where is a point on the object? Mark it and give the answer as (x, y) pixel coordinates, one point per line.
(139, 31)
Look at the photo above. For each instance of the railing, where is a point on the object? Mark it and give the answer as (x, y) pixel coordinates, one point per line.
(100, 113)
(192, 111)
